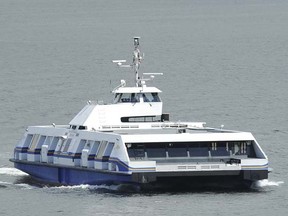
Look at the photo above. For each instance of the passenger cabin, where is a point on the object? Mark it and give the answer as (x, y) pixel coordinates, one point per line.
(191, 150)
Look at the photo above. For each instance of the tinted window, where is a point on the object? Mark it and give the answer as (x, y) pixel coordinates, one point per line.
(198, 150)
(177, 150)
(108, 149)
(157, 150)
(136, 150)
(28, 140)
(41, 141)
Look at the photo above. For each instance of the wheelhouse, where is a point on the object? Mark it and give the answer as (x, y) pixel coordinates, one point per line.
(136, 97)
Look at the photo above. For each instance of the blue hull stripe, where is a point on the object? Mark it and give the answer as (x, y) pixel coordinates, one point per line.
(72, 176)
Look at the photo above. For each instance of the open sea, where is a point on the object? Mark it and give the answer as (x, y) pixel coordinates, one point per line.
(225, 62)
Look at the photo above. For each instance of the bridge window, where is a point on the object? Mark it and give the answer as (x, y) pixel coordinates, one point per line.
(135, 97)
(124, 98)
(155, 97)
(127, 98)
(151, 97)
(117, 97)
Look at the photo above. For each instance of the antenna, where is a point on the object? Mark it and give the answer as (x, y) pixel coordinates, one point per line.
(120, 63)
(151, 77)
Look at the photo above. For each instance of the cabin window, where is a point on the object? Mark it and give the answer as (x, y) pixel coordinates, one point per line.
(34, 141)
(95, 147)
(141, 119)
(242, 148)
(52, 145)
(41, 141)
(102, 148)
(59, 145)
(54, 142)
(190, 149)
(109, 149)
(81, 145)
(177, 150)
(157, 150)
(66, 146)
(48, 140)
(28, 140)
(92, 146)
(249, 149)
(136, 150)
(198, 149)
(220, 149)
(238, 148)
(89, 144)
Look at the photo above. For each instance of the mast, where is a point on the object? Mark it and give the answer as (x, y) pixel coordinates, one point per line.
(137, 58)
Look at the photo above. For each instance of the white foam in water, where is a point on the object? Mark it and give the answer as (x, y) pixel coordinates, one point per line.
(88, 187)
(266, 183)
(5, 183)
(11, 171)
(22, 185)
(25, 186)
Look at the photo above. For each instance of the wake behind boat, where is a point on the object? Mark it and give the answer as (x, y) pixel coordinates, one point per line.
(131, 141)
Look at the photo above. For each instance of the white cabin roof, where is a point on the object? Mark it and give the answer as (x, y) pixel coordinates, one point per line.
(143, 89)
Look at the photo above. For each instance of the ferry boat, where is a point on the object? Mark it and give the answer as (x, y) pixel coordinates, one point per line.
(131, 141)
